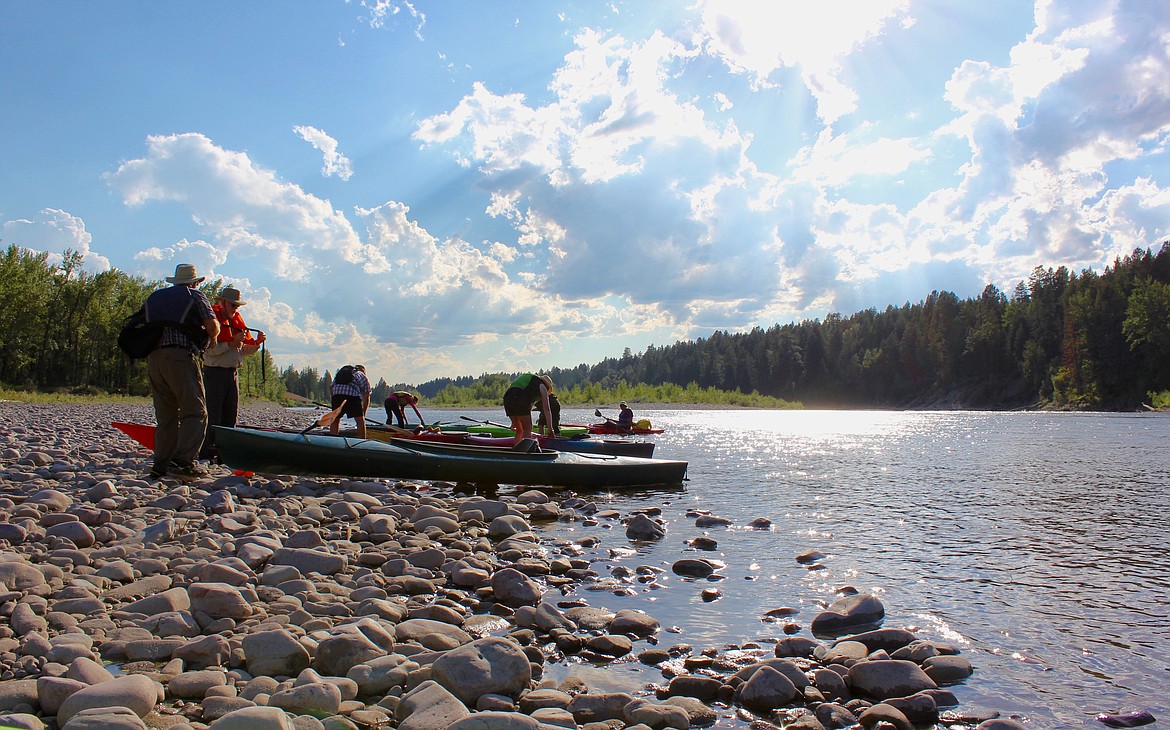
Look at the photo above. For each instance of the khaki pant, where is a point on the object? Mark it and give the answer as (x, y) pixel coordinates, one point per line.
(180, 408)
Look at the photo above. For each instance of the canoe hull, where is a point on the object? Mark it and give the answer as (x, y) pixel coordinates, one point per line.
(613, 428)
(583, 445)
(285, 453)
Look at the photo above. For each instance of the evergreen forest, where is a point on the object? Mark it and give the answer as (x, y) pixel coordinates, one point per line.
(1087, 340)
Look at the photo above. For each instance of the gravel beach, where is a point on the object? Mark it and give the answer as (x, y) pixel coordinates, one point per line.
(276, 601)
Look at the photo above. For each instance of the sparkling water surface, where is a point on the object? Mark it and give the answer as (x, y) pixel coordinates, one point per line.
(1037, 542)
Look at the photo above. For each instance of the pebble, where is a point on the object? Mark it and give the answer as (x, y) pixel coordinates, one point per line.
(275, 602)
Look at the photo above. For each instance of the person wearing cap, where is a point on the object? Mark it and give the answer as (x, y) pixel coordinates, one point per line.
(176, 381)
(625, 420)
(524, 392)
(221, 364)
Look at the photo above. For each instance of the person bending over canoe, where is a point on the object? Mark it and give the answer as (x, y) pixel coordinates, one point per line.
(625, 420)
(351, 387)
(396, 407)
(522, 394)
(555, 410)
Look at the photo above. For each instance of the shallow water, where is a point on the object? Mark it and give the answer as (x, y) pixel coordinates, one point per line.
(1038, 542)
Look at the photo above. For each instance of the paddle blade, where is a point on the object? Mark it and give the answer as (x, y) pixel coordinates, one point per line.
(325, 419)
(597, 412)
(331, 416)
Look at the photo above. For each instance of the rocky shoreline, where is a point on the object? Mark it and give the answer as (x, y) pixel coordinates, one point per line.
(287, 602)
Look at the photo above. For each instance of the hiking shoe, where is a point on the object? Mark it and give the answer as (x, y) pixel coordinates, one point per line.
(156, 473)
(188, 472)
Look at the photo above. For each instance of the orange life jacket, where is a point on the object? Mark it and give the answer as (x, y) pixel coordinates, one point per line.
(229, 325)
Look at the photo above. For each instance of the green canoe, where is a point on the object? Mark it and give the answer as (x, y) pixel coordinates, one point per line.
(491, 429)
(278, 452)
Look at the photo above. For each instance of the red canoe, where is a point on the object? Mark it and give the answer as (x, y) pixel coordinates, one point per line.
(610, 428)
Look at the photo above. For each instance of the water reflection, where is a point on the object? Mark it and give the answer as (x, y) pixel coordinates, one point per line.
(1037, 540)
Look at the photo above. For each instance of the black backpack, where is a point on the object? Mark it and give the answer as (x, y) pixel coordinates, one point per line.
(139, 337)
(344, 375)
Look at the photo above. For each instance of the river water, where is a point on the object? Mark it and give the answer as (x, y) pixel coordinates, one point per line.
(1037, 542)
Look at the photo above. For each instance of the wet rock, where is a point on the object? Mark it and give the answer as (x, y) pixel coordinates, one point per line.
(947, 669)
(848, 614)
(656, 715)
(796, 646)
(599, 707)
(644, 528)
(692, 568)
(766, 690)
(1136, 718)
(886, 714)
(513, 588)
(633, 622)
(889, 678)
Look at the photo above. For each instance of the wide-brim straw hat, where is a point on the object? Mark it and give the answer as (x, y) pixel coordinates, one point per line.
(185, 274)
(230, 294)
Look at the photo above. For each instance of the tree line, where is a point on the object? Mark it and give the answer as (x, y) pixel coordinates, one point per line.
(59, 329)
(1076, 340)
(1087, 340)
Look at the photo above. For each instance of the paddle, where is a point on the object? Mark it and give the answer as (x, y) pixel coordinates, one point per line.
(489, 423)
(325, 419)
(263, 370)
(599, 414)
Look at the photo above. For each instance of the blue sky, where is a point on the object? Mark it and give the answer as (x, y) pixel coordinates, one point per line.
(456, 187)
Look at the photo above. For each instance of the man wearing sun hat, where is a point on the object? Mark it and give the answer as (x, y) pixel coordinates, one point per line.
(221, 364)
(176, 380)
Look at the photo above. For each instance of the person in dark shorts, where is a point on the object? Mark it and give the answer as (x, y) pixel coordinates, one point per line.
(351, 387)
(525, 391)
(555, 409)
(396, 404)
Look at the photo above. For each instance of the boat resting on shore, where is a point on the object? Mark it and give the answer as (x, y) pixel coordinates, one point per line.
(144, 434)
(580, 445)
(278, 452)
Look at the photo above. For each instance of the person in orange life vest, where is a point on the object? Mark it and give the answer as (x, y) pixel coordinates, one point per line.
(396, 407)
(221, 364)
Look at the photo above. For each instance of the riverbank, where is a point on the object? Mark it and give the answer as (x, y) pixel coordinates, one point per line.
(279, 602)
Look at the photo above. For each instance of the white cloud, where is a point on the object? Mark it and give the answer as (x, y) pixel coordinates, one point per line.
(240, 205)
(759, 38)
(376, 295)
(334, 162)
(54, 231)
(1090, 86)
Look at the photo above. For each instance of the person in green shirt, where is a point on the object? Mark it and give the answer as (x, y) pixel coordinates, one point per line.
(525, 391)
